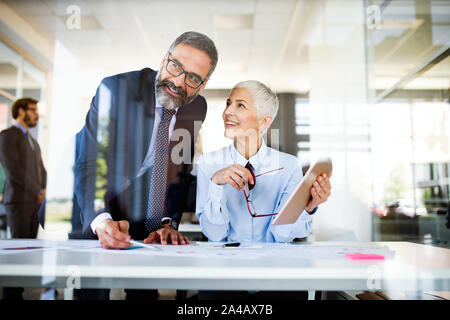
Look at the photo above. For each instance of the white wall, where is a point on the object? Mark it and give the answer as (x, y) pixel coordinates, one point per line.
(64, 122)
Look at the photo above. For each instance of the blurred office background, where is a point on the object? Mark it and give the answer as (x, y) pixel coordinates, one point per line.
(365, 82)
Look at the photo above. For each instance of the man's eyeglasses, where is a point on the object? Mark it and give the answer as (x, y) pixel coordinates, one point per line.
(247, 194)
(191, 79)
(32, 109)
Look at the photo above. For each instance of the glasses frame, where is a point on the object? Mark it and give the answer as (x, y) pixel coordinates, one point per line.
(250, 202)
(182, 72)
(34, 110)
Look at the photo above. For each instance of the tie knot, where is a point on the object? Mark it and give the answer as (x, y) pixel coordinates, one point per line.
(167, 114)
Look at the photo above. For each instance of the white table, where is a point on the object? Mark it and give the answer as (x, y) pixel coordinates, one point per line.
(414, 268)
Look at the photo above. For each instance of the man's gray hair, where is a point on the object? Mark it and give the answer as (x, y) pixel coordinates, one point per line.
(266, 101)
(200, 42)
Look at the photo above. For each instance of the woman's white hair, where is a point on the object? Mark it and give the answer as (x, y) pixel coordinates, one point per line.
(266, 101)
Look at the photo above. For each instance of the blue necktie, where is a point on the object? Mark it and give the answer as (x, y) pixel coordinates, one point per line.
(158, 179)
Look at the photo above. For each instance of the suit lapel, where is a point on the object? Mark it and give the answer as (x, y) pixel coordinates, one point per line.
(37, 158)
(30, 155)
(147, 94)
(25, 147)
(147, 91)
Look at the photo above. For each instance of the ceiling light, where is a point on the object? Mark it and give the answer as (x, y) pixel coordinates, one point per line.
(233, 21)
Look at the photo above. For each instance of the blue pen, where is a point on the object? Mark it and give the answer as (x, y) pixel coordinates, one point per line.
(24, 248)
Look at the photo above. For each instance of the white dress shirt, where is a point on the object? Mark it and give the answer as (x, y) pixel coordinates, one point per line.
(149, 158)
(222, 210)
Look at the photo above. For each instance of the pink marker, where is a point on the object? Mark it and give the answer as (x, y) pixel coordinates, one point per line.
(363, 256)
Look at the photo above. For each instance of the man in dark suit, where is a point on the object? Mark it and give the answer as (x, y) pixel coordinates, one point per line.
(139, 133)
(26, 176)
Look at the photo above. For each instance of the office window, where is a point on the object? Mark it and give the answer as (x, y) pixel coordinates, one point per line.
(212, 131)
(10, 62)
(410, 69)
(303, 129)
(18, 78)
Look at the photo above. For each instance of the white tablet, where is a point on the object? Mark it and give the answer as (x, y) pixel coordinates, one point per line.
(298, 200)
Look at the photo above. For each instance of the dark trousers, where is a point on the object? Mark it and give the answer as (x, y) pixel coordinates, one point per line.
(22, 220)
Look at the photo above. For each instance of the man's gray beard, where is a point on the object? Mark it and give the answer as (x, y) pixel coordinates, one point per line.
(166, 100)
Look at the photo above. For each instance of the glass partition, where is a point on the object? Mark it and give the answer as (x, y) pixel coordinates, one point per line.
(365, 82)
(410, 76)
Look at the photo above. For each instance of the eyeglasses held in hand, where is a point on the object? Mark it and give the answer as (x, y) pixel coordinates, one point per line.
(250, 206)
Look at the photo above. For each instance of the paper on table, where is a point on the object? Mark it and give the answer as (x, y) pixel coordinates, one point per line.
(203, 249)
(18, 246)
(252, 250)
(22, 246)
(207, 249)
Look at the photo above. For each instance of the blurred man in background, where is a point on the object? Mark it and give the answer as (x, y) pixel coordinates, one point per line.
(26, 176)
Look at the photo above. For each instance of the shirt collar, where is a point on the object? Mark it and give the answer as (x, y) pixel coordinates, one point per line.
(18, 125)
(256, 160)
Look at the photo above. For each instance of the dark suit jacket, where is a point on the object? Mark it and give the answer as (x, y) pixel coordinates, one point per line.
(24, 169)
(119, 128)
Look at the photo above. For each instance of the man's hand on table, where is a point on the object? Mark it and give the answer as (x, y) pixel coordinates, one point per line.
(114, 234)
(165, 233)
